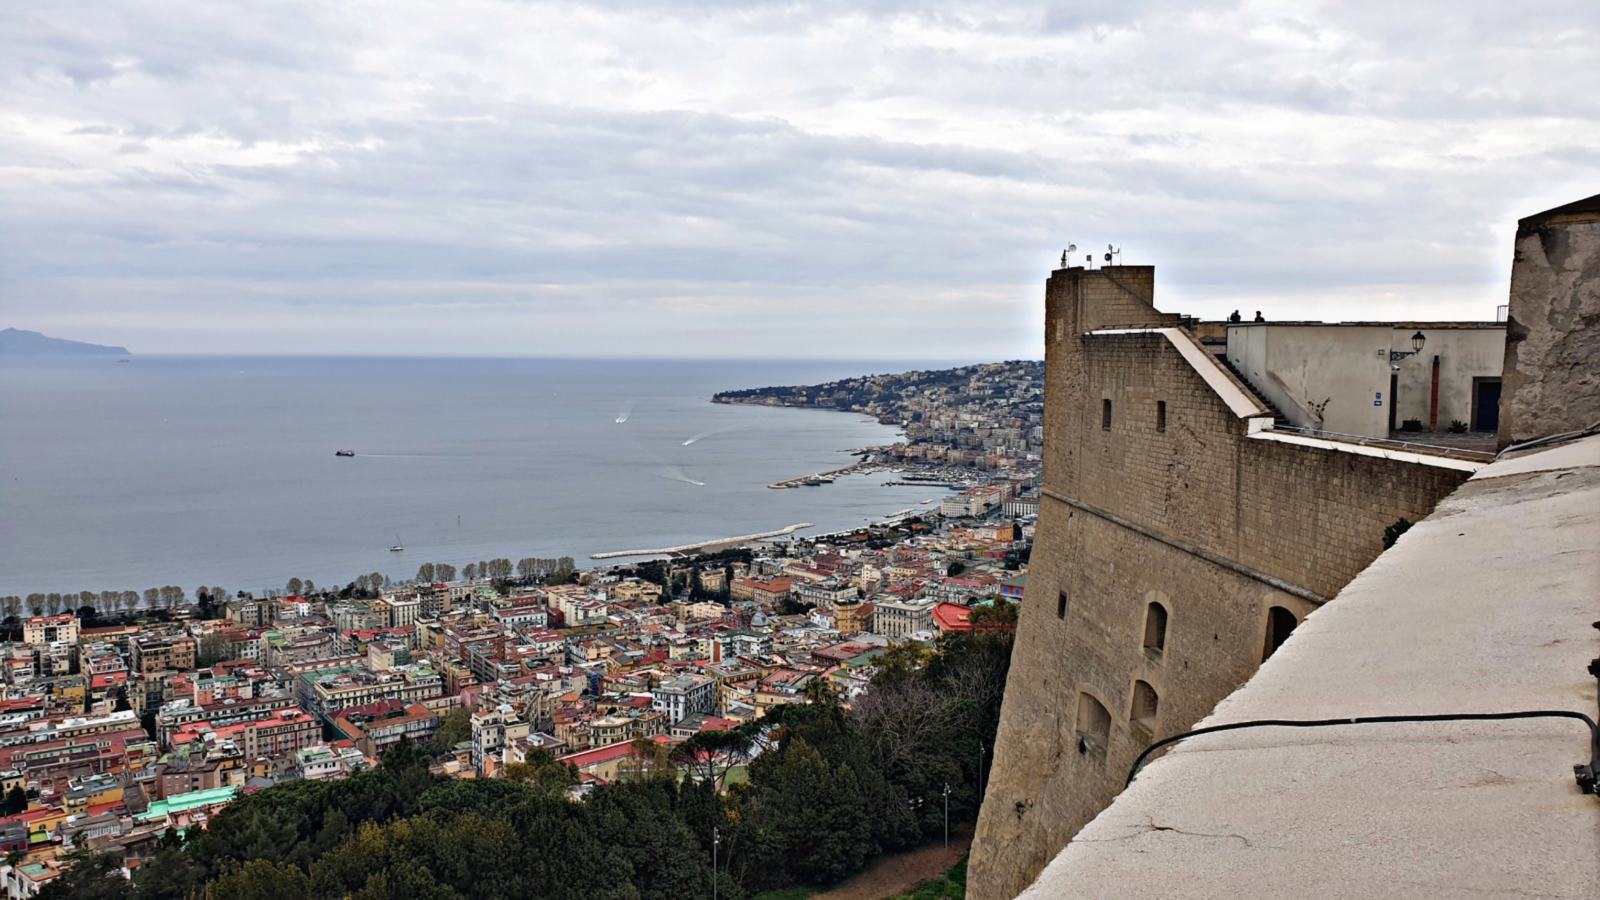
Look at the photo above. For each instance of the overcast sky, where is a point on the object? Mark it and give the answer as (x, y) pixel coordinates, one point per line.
(707, 178)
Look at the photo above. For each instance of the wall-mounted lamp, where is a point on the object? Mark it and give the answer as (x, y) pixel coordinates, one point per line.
(1417, 340)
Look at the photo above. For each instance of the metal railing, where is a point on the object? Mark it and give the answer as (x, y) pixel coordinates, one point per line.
(1389, 443)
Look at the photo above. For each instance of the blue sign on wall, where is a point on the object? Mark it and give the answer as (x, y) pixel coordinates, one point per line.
(1377, 398)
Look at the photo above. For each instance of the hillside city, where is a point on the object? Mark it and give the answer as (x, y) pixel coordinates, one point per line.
(128, 728)
(989, 415)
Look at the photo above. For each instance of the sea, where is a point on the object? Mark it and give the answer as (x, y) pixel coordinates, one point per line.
(221, 471)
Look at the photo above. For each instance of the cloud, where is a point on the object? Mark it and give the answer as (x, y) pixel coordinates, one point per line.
(889, 179)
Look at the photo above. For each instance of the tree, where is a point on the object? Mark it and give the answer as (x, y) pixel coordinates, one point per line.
(36, 604)
(646, 760)
(445, 572)
(543, 774)
(708, 755)
(1001, 615)
(16, 800)
(212, 649)
(260, 879)
(455, 726)
(151, 597)
(88, 876)
(470, 571)
(425, 573)
(295, 586)
(803, 820)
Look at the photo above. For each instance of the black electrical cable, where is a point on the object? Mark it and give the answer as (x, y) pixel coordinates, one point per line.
(1594, 731)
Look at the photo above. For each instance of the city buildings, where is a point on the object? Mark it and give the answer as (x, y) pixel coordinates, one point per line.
(115, 734)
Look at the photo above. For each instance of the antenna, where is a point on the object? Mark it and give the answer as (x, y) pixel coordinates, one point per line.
(1113, 252)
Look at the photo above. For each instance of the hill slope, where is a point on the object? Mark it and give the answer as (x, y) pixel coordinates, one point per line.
(31, 343)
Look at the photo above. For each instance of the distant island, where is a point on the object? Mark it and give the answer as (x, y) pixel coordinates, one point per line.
(15, 342)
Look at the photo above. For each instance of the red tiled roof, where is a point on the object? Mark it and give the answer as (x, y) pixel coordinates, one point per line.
(952, 617)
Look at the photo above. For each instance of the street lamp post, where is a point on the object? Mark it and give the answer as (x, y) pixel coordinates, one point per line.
(979, 779)
(716, 839)
(947, 815)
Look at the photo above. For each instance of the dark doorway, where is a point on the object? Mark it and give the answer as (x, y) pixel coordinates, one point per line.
(1280, 623)
(1485, 404)
(1394, 383)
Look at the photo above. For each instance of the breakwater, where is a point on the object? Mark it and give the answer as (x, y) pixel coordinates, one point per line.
(709, 546)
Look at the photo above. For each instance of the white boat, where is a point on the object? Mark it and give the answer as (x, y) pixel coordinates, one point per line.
(397, 545)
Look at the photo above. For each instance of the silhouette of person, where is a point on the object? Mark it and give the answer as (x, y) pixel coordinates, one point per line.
(1235, 317)
(1258, 316)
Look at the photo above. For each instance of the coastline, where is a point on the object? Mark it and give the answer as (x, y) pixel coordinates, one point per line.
(271, 544)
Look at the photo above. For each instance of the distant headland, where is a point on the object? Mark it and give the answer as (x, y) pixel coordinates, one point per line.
(15, 342)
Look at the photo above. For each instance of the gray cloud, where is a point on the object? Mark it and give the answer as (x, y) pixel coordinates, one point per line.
(889, 179)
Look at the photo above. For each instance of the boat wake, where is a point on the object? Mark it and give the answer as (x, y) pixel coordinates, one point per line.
(673, 473)
(627, 410)
(705, 434)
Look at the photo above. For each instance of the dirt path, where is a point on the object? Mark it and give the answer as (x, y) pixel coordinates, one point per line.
(898, 874)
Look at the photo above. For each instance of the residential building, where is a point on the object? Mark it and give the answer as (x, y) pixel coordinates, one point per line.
(683, 695)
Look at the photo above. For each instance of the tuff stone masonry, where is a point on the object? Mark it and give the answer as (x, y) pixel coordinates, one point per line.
(1552, 368)
(1180, 539)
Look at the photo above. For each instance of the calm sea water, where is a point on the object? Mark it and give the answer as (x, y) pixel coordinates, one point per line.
(222, 470)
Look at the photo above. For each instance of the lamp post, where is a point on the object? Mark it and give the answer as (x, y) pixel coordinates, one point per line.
(947, 815)
(980, 773)
(716, 839)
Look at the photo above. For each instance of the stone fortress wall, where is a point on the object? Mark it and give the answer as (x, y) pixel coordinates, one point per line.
(1552, 367)
(1179, 541)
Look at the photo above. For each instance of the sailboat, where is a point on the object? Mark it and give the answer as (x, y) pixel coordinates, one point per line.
(397, 545)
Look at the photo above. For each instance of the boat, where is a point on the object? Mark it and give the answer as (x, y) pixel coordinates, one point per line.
(344, 453)
(397, 545)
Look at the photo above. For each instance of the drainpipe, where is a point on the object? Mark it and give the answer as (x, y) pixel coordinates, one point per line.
(1433, 403)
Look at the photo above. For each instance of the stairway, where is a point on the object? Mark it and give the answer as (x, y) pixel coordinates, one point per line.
(1279, 420)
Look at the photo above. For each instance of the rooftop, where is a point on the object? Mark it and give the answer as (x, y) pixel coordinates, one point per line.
(1485, 606)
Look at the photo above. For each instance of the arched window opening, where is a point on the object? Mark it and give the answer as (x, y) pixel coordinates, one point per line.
(1155, 630)
(1280, 624)
(1094, 727)
(1145, 704)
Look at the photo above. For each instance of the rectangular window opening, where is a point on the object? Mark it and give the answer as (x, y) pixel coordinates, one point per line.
(1061, 605)
(1105, 415)
(1161, 415)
